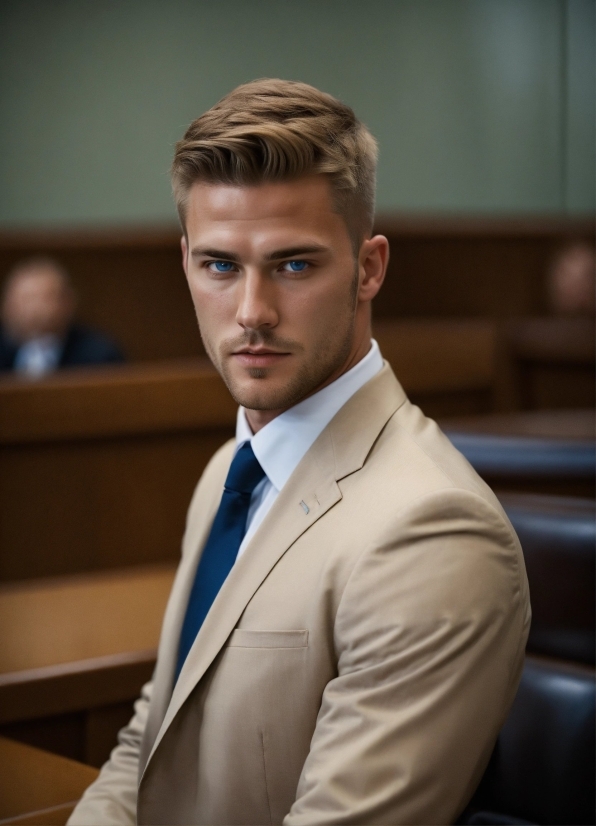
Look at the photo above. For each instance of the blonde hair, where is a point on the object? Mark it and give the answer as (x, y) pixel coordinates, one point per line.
(274, 130)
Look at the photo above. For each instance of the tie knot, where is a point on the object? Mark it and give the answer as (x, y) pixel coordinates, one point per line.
(245, 472)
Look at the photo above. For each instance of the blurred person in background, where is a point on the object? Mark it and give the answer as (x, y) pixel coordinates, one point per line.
(572, 280)
(38, 333)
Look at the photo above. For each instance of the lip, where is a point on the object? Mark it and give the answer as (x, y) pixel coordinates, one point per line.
(259, 357)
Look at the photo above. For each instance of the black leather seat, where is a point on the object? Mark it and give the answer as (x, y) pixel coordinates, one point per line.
(530, 463)
(558, 537)
(497, 455)
(542, 769)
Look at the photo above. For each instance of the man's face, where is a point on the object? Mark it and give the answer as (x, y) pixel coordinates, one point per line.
(276, 288)
(37, 303)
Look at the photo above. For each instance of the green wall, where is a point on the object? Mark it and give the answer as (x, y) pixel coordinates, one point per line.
(478, 105)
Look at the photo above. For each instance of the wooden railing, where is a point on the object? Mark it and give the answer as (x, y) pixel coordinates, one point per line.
(74, 653)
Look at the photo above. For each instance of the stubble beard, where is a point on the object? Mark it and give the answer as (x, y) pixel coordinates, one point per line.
(328, 357)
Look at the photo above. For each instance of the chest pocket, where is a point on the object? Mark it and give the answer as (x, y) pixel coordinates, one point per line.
(244, 638)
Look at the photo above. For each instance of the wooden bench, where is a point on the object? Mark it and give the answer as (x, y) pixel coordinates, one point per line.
(448, 367)
(74, 653)
(552, 362)
(37, 787)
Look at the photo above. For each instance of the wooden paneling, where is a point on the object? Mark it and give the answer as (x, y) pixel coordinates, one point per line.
(448, 367)
(493, 267)
(97, 467)
(552, 362)
(439, 356)
(39, 788)
(131, 282)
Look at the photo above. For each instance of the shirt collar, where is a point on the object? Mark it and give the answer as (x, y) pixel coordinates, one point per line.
(281, 444)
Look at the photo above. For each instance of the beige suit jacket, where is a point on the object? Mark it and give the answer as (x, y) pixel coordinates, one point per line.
(360, 658)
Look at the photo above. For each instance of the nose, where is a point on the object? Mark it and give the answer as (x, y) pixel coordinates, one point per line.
(256, 302)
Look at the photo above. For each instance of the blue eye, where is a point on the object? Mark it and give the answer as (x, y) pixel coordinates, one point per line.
(221, 266)
(296, 266)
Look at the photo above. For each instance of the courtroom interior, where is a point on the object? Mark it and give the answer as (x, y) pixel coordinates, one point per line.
(110, 408)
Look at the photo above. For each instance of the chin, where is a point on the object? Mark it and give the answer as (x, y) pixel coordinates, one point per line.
(259, 390)
(258, 398)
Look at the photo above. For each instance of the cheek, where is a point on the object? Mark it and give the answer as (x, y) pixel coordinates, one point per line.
(319, 306)
(213, 305)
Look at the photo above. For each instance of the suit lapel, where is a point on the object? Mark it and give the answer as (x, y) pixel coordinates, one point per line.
(341, 449)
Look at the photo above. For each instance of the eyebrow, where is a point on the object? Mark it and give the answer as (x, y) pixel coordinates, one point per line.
(207, 252)
(276, 255)
(292, 252)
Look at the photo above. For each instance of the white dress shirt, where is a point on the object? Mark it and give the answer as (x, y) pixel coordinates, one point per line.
(281, 444)
(38, 356)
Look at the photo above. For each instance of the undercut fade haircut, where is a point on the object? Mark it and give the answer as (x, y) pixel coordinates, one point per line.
(278, 130)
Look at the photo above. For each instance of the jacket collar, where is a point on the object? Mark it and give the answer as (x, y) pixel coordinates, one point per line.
(284, 441)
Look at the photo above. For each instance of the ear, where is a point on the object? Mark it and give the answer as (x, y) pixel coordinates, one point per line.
(184, 248)
(372, 260)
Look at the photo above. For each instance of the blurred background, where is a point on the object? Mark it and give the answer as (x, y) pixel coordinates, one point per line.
(479, 106)
(485, 115)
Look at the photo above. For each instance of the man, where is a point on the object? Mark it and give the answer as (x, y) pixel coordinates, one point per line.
(347, 627)
(38, 333)
(570, 282)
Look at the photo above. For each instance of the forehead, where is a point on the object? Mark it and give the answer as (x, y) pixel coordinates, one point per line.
(264, 212)
(37, 278)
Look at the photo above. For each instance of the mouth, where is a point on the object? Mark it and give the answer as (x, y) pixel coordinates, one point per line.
(258, 357)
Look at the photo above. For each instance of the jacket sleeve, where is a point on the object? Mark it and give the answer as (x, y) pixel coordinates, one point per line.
(430, 636)
(112, 798)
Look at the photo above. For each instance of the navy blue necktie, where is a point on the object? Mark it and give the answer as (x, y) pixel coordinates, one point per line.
(221, 548)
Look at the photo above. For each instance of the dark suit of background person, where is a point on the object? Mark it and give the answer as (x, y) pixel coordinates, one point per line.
(81, 346)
